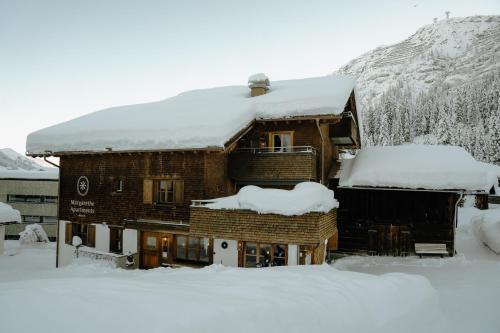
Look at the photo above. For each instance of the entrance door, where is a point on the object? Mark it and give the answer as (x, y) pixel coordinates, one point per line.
(389, 240)
(150, 249)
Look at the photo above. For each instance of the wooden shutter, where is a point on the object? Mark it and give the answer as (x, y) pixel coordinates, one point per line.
(147, 192)
(178, 191)
(91, 235)
(69, 233)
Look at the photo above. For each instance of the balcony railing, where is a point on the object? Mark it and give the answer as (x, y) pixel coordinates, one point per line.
(273, 150)
(201, 203)
(268, 165)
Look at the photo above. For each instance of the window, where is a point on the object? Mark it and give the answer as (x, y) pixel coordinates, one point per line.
(31, 219)
(164, 191)
(192, 249)
(115, 240)
(281, 141)
(117, 185)
(50, 219)
(265, 255)
(85, 231)
(31, 198)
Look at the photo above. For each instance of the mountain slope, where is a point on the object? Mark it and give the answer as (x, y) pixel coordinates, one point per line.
(449, 52)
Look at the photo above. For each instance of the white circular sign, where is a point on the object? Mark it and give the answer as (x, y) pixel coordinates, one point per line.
(82, 186)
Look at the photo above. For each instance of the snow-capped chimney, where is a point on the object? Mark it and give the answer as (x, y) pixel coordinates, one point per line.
(258, 84)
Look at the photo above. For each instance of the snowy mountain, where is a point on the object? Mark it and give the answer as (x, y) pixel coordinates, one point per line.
(9, 159)
(453, 51)
(439, 86)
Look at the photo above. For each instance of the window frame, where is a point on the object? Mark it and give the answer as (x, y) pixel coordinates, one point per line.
(281, 134)
(157, 192)
(258, 255)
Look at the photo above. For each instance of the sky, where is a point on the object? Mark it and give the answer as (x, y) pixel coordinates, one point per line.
(63, 59)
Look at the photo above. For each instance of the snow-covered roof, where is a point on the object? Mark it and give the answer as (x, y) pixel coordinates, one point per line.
(416, 167)
(304, 198)
(195, 119)
(46, 174)
(8, 214)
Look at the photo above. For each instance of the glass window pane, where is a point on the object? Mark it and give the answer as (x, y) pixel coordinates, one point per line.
(170, 185)
(265, 255)
(280, 255)
(251, 248)
(192, 248)
(181, 247)
(250, 261)
(277, 142)
(287, 141)
(204, 249)
(151, 243)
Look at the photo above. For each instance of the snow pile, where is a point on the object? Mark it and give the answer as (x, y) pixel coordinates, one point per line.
(488, 229)
(33, 233)
(494, 171)
(8, 214)
(305, 198)
(221, 299)
(194, 119)
(416, 166)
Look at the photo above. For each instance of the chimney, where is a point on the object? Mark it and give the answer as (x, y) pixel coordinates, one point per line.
(258, 84)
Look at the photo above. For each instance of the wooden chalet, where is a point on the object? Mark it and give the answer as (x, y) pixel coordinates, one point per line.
(139, 205)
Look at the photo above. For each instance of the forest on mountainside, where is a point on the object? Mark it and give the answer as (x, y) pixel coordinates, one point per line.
(467, 116)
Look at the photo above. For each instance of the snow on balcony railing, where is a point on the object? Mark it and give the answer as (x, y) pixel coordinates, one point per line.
(281, 150)
(201, 203)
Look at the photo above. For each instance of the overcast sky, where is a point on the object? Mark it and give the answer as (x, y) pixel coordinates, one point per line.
(62, 59)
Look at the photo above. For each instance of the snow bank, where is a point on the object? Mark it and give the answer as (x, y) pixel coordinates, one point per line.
(489, 229)
(194, 119)
(416, 166)
(304, 198)
(33, 233)
(48, 173)
(8, 214)
(218, 299)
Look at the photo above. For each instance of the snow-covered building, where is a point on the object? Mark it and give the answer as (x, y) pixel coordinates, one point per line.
(132, 177)
(8, 216)
(34, 193)
(394, 197)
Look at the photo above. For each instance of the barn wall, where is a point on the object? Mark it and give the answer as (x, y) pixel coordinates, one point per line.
(368, 216)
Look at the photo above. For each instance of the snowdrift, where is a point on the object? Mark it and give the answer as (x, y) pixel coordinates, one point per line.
(218, 299)
(33, 233)
(305, 198)
(8, 214)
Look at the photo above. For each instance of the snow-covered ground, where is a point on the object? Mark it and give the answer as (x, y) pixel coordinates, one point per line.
(369, 294)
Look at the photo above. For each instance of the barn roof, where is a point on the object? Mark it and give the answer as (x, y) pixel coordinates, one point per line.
(416, 167)
(194, 119)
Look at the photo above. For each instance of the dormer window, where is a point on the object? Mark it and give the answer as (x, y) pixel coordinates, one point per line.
(281, 141)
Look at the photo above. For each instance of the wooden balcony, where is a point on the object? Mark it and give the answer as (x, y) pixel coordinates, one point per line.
(345, 133)
(262, 166)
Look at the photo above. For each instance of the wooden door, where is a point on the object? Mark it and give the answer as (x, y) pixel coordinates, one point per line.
(389, 240)
(150, 249)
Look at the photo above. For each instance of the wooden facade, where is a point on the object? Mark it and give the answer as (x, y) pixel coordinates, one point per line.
(380, 221)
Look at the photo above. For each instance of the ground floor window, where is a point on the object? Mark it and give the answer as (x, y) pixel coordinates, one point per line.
(192, 248)
(83, 230)
(265, 255)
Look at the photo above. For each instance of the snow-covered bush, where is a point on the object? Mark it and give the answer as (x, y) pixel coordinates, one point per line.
(33, 233)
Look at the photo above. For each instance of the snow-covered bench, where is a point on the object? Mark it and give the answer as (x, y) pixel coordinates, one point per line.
(430, 248)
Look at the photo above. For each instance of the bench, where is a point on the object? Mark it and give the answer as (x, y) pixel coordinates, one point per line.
(430, 248)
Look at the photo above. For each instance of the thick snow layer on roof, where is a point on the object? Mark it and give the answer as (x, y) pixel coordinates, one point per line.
(304, 198)
(9, 214)
(48, 173)
(259, 78)
(194, 119)
(415, 167)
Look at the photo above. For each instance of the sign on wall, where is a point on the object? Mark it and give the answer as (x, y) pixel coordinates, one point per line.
(82, 207)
